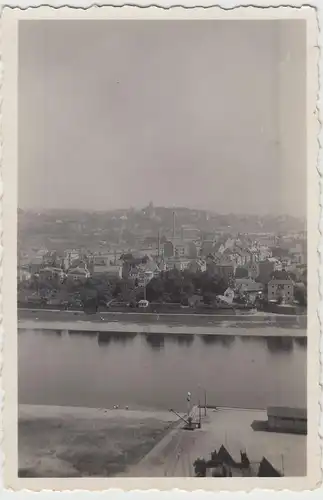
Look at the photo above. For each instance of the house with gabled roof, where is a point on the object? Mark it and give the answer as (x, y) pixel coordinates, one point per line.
(78, 273)
(281, 289)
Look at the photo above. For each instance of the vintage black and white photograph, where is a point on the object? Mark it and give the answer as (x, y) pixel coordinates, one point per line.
(163, 247)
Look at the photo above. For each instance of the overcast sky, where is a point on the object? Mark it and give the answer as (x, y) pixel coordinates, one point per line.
(198, 113)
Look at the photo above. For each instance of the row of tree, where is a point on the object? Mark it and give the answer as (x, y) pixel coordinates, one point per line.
(172, 286)
(176, 286)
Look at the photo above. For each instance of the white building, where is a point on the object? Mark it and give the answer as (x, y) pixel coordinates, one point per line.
(229, 295)
(253, 269)
(177, 263)
(23, 275)
(143, 277)
(70, 256)
(78, 274)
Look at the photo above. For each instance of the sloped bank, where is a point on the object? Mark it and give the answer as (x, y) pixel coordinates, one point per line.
(74, 442)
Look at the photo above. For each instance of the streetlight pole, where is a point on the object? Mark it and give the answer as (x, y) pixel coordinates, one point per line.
(188, 404)
(205, 402)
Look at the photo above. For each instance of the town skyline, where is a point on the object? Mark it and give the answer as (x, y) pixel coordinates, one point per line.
(166, 207)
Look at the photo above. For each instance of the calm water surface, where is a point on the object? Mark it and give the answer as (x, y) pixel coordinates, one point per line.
(156, 371)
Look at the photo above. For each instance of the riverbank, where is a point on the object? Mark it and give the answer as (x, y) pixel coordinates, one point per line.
(57, 441)
(190, 318)
(75, 442)
(251, 325)
(161, 329)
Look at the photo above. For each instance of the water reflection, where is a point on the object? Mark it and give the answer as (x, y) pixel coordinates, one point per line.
(224, 340)
(155, 340)
(279, 344)
(105, 338)
(301, 341)
(182, 338)
(57, 333)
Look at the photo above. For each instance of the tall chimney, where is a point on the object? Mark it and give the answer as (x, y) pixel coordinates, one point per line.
(158, 243)
(174, 224)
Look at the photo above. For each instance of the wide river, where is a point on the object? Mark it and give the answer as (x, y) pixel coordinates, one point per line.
(156, 371)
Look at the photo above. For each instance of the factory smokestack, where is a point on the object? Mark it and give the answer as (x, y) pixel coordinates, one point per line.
(174, 224)
(158, 244)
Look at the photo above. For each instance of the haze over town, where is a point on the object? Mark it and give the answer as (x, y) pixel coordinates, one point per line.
(203, 109)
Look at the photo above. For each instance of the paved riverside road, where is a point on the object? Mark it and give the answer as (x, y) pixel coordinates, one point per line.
(257, 324)
(258, 318)
(174, 456)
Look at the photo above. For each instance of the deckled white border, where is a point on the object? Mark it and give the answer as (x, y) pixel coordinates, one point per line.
(228, 5)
